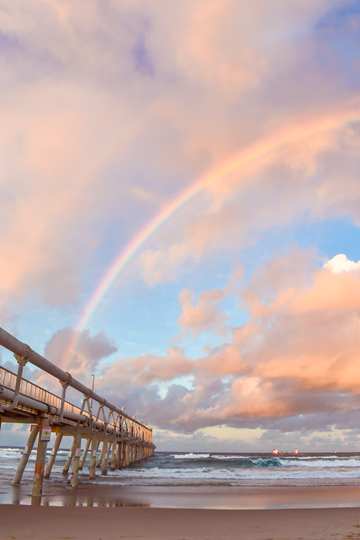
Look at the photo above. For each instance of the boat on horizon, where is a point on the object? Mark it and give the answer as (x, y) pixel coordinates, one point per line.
(277, 453)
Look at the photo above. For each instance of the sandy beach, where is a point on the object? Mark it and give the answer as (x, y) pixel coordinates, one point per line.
(94, 512)
(46, 523)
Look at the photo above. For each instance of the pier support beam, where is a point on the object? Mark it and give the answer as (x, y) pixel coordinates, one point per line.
(83, 457)
(125, 453)
(121, 463)
(124, 456)
(76, 460)
(101, 455)
(104, 458)
(118, 457)
(69, 458)
(40, 462)
(25, 457)
(92, 467)
(55, 449)
(113, 456)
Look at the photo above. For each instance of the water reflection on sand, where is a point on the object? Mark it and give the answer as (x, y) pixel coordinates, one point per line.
(196, 497)
(73, 497)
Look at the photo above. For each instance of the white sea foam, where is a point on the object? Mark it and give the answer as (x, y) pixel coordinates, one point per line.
(190, 456)
(228, 457)
(321, 464)
(331, 457)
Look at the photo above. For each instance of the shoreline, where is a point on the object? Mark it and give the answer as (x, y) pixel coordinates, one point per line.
(214, 497)
(25, 523)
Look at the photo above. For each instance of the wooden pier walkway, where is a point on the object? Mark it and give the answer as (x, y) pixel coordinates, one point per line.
(123, 439)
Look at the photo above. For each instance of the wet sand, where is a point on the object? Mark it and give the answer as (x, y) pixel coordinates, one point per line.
(47, 523)
(213, 497)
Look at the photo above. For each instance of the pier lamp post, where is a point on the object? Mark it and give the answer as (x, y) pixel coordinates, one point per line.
(92, 389)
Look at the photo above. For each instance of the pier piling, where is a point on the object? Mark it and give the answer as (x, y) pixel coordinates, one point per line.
(104, 458)
(55, 449)
(40, 459)
(123, 454)
(83, 457)
(99, 461)
(69, 459)
(113, 456)
(34, 429)
(118, 455)
(76, 460)
(92, 467)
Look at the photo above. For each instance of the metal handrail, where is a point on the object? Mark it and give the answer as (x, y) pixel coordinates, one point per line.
(8, 380)
(33, 391)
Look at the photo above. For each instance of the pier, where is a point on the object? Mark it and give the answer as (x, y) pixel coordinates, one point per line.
(123, 440)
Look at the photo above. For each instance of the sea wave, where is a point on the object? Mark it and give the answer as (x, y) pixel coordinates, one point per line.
(329, 457)
(190, 456)
(319, 463)
(225, 474)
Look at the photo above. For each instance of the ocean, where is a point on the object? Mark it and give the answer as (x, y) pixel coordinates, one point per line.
(232, 469)
(181, 471)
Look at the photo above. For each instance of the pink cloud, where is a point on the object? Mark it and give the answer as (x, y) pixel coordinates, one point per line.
(297, 355)
(206, 314)
(90, 350)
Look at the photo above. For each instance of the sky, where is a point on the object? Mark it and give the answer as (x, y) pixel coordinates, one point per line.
(180, 213)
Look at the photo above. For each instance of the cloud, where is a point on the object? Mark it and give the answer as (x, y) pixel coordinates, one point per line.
(16, 433)
(149, 368)
(206, 315)
(89, 350)
(159, 266)
(292, 366)
(85, 359)
(340, 263)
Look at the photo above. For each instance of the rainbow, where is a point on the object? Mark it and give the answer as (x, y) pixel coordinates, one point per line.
(261, 148)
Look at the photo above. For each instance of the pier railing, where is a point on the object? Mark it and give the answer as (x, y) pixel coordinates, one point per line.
(124, 438)
(33, 391)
